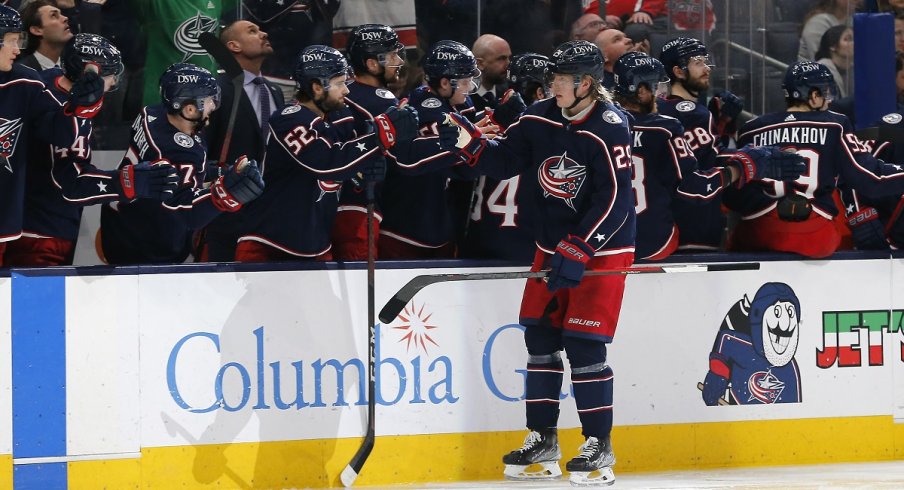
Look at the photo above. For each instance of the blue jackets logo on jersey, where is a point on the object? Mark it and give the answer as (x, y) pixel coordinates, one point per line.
(328, 187)
(562, 178)
(186, 36)
(9, 136)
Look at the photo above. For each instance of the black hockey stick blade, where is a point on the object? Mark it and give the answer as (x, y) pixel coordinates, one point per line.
(220, 53)
(397, 303)
(353, 468)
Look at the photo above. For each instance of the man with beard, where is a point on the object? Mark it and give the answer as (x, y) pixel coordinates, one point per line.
(312, 148)
(687, 63)
(144, 231)
(665, 169)
(493, 56)
(376, 56)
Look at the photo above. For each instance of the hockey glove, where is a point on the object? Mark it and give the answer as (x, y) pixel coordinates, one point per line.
(867, 230)
(767, 162)
(157, 180)
(509, 109)
(86, 96)
(794, 208)
(241, 184)
(458, 135)
(716, 381)
(396, 125)
(725, 108)
(566, 267)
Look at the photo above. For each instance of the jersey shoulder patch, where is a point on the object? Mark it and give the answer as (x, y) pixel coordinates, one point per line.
(291, 109)
(183, 140)
(386, 94)
(612, 117)
(685, 106)
(431, 103)
(893, 118)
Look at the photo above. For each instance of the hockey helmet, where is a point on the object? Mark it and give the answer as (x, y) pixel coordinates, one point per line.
(185, 83)
(803, 76)
(318, 63)
(635, 69)
(527, 67)
(84, 49)
(373, 41)
(576, 58)
(451, 60)
(678, 51)
(11, 21)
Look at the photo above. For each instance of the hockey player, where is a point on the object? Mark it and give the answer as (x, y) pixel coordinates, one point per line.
(687, 63)
(145, 231)
(502, 212)
(309, 153)
(578, 146)
(797, 216)
(59, 181)
(665, 169)
(376, 55)
(28, 107)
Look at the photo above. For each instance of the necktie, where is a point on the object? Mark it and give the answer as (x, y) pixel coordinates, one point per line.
(263, 101)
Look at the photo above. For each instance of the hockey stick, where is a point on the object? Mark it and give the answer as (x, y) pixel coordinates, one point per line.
(353, 468)
(233, 70)
(722, 400)
(394, 306)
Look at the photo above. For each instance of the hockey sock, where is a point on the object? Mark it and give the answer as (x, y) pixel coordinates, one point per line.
(544, 382)
(593, 396)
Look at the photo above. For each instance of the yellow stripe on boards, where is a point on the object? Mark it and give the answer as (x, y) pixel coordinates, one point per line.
(477, 456)
(6, 471)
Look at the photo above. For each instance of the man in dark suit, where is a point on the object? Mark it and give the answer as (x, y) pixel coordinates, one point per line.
(493, 56)
(48, 31)
(258, 99)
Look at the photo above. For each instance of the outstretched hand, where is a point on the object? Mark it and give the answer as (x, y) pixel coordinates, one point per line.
(767, 162)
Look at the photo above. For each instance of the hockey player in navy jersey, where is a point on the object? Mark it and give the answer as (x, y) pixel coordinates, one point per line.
(310, 152)
(145, 231)
(60, 181)
(687, 64)
(376, 55)
(28, 110)
(797, 216)
(502, 212)
(577, 145)
(665, 169)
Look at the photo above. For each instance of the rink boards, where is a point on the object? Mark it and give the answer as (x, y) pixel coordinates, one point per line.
(202, 377)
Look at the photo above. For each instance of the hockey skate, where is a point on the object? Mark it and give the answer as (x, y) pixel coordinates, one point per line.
(537, 459)
(593, 466)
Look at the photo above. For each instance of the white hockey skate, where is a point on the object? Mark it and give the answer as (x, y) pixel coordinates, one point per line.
(593, 466)
(537, 459)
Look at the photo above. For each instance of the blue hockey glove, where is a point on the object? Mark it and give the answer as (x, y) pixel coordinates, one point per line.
(458, 135)
(767, 162)
(716, 381)
(867, 230)
(726, 105)
(396, 125)
(566, 267)
(241, 184)
(86, 95)
(145, 180)
(509, 109)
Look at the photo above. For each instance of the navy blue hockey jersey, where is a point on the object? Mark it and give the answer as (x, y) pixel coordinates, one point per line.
(27, 110)
(700, 226)
(153, 232)
(307, 160)
(583, 173)
(834, 155)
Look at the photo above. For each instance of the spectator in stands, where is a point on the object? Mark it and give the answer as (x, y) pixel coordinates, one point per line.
(899, 31)
(48, 31)
(899, 79)
(640, 34)
(620, 13)
(836, 51)
(587, 27)
(893, 6)
(493, 56)
(613, 43)
(827, 13)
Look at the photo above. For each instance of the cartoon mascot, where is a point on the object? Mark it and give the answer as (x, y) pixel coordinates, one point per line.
(753, 355)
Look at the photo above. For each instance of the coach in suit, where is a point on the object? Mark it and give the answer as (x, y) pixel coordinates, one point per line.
(258, 99)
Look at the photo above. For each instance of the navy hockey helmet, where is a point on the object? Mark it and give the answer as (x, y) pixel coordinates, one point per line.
(678, 51)
(318, 63)
(185, 83)
(576, 58)
(527, 67)
(10, 21)
(635, 69)
(84, 49)
(373, 41)
(451, 60)
(803, 76)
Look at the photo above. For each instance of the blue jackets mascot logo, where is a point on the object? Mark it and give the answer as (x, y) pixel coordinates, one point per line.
(752, 359)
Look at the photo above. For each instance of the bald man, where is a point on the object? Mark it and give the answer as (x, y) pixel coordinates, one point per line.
(613, 43)
(587, 27)
(493, 55)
